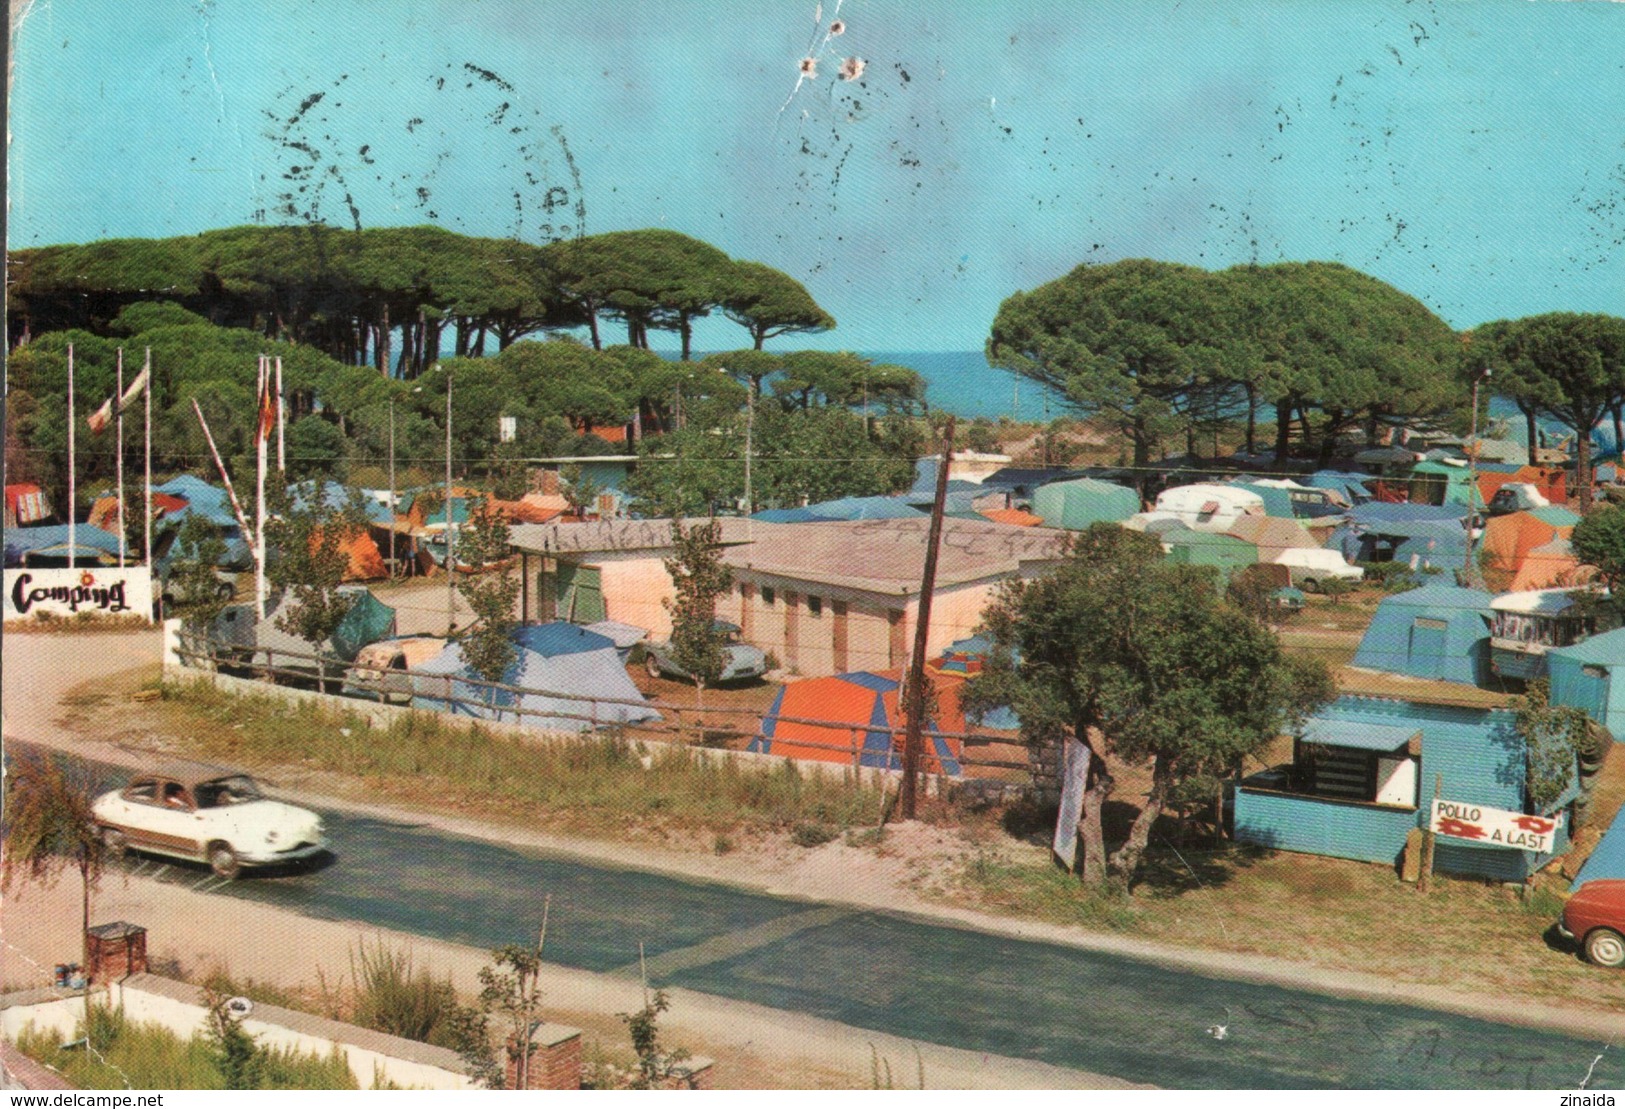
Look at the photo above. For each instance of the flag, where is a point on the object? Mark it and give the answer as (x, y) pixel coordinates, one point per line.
(267, 408)
(99, 419)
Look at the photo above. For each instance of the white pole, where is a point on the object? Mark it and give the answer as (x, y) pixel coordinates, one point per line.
(148, 537)
(392, 486)
(73, 492)
(118, 469)
(451, 551)
(259, 508)
(281, 422)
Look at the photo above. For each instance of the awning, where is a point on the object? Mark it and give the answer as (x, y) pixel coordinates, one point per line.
(1363, 737)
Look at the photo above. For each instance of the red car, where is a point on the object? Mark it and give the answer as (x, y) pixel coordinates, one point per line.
(1595, 916)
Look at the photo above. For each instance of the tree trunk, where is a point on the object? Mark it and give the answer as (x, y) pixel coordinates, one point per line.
(1126, 859)
(1283, 428)
(1252, 418)
(758, 336)
(1092, 862)
(592, 325)
(686, 328)
(1582, 466)
(1618, 412)
(1534, 432)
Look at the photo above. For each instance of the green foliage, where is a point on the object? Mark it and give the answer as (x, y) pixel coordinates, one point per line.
(982, 436)
(305, 538)
(1554, 734)
(237, 1056)
(49, 825)
(510, 987)
(768, 303)
(698, 579)
(393, 997)
(1567, 365)
(579, 488)
(1145, 654)
(197, 591)
(656, 1063)
(813, 835)
(1599, 540)
(490, 591)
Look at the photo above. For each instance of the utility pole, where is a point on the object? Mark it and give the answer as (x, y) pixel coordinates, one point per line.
(73, 492)
(392, 485)
(1470, 574)
(451, 549)
(915, 688)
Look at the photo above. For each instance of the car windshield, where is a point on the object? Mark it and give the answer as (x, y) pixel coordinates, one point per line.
(227, 791)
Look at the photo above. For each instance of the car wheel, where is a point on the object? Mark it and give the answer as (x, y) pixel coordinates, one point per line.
(115, 842)
(223, 861)
(1310, 585)
(1606, 947)
(652, 664)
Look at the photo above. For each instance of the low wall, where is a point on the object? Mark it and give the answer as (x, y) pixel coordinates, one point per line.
(373, 1057)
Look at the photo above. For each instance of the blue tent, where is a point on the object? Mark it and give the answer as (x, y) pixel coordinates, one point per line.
(1590, 675)
(560, 638)
(1379, 513)
(50, 541)
(202, 498)
(1608, 857)
(1438, 631)
(561, 684)
(1345, 483)
(334, 495)
(863, 508)
(1277, 501)
(797, 515)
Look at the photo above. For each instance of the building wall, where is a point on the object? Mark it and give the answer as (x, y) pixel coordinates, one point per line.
(1318, 826)
(636, 587)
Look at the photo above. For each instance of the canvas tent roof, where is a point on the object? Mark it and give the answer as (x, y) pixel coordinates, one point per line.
(1438, 631)
(864, 508)
(561, 638)
(556, 691)
(1376, 514)
(1607, 859)
(1271, 535)
(201, 498)
(857, 713)
(331, 494)
(1077, 503)
(367, 621)
(90, 543)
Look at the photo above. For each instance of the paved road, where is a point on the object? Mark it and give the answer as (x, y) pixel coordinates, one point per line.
(905, 976)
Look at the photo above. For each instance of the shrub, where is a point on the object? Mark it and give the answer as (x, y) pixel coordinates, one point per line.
(809, 834)
(391, 997)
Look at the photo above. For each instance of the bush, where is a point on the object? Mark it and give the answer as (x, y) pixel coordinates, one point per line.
(812, 835)
(391, 998)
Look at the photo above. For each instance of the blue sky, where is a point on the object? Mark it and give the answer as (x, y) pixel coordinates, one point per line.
(1472, 154)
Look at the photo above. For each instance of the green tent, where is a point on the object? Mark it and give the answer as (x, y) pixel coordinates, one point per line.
(1209, 548)
(1083, 501)
(1441, 483)
(368, 621)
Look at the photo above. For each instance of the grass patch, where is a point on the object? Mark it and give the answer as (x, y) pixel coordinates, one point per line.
(392, 996)
(1041, 891)
(595, 783)
(148, 1056)
(812, 834)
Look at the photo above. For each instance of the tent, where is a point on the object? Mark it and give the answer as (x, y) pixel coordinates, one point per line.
(1208, 548)
(1438, 631)
(963, 659)
(556, 691)
(1441, 483)
(1552, 564)
(34, 546)
(1348, 485)
(1381, 512)
(367, 621)
(1015, 517)
(799, 515)
(1508, 540)
(1607, 859)
(863, 508)
(1549, 482)
(624, 637)
(857, 716)
(1271, 535)
(1591, 675)
(1083, 501)
(1277, 501)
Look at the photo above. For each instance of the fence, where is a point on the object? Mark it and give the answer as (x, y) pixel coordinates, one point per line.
(678, 723)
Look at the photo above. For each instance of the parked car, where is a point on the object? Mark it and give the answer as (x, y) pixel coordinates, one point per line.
(1595, 918)
(380, 670)
(1312, 566)
(208, 814)
(743, 660)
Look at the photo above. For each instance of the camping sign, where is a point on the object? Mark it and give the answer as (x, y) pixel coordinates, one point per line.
(1495, 826)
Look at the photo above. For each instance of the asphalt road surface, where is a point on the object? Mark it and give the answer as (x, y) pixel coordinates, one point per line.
(905, 976)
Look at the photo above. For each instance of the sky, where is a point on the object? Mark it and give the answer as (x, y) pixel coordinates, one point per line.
(1471, 154)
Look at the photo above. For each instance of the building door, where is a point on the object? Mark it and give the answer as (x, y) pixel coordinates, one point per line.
(580, 594)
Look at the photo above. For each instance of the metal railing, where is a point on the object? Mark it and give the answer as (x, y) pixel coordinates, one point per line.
(677, 723)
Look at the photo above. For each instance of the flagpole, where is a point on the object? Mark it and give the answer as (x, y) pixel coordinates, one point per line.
(147, 370)
(73, 535)
(118, 470)
(260, 436)
(281, 422)
(225, 478)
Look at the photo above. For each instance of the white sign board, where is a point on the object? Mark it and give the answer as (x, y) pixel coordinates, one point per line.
(1074, 772)
(104, 590)
(1495, 826)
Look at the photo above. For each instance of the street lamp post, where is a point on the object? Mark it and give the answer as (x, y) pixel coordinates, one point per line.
(451, 547)
(392, 565)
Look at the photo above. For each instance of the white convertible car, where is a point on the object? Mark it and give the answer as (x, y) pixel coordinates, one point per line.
(210, 815)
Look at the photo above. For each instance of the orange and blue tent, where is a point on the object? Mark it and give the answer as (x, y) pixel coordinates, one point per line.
(857, 719)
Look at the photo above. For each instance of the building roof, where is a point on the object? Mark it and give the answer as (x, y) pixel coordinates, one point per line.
(1365, 737)
(1607, 649)
(619, 535)
(888, 556)
(1540, 602)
